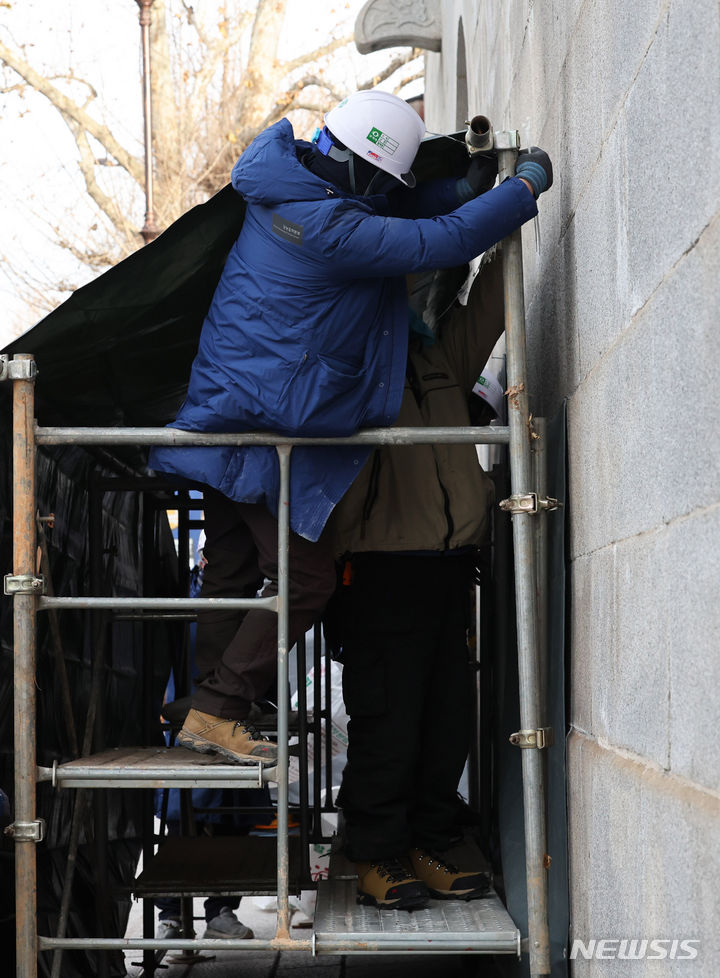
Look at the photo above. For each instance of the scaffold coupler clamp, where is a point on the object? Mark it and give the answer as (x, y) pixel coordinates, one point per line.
(17, 369)
(27, 831)
(24, 584)
(507, 139)
(528, 503)
(537, 739)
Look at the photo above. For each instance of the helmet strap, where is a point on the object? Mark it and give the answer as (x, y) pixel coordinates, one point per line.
(368, 189)
(327, 147)
(351, 171)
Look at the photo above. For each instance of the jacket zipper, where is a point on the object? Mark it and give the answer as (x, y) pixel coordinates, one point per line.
(372, 492)
(448, 514)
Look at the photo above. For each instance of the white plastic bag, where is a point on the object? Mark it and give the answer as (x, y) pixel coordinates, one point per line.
(338, 731)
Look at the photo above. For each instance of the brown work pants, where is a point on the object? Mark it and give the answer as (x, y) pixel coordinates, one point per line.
(236, 651)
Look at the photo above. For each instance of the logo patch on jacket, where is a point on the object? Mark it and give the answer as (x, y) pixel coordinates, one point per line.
(286, 229)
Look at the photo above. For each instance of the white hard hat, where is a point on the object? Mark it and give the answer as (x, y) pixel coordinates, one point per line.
(380, 128)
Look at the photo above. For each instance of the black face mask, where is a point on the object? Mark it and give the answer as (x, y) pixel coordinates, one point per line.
(381, 182)
(356, 176)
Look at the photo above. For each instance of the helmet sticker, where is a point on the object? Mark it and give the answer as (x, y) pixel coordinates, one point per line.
(383, 141)
(374, 156)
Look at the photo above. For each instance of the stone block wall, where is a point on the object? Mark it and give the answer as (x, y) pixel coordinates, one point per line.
(622, 296)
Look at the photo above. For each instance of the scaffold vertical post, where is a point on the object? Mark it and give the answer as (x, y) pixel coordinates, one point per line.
(24, 630)
(540, 475)
(519, 421)
(283, 861)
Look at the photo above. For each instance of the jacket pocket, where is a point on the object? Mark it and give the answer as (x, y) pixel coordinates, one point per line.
(285, 389)
(323, 397)
(341, 368)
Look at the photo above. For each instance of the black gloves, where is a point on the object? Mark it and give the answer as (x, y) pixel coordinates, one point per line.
(482, 172)
(534, 166)
(480, 176)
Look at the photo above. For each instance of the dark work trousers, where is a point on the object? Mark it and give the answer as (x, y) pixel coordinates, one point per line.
(169, 907)
(237, 651)
(407, 685)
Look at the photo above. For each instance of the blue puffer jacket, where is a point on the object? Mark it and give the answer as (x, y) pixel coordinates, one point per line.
(307, 330)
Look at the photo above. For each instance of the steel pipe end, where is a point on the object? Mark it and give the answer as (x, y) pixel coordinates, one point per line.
(479, 137)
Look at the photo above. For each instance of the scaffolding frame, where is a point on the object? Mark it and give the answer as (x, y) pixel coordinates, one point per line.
(27, 590)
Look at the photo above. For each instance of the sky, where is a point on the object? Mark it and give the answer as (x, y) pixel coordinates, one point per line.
(36, 162)
(100, 41)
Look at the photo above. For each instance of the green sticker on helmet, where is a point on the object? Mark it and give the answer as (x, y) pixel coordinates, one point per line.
(383, 141)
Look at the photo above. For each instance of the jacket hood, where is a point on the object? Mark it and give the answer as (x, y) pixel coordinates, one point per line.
(269, 171)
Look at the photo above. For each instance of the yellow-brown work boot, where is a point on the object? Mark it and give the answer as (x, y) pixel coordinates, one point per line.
(388, 885)
(444, 880)
(236, 740)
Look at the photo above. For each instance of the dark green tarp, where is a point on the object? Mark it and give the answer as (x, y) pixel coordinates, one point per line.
(118, 351)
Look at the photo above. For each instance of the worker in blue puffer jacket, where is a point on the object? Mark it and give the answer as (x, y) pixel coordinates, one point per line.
(307, 334)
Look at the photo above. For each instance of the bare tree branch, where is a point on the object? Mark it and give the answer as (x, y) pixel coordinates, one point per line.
(405, 80)
(106, 204)
(194, 22)
(311, 81)
(97, 260)
(71, 111)
(263, 71)
(92, 93)
(289, 103)
(390, 69)
(317, 108)
(216, 52)
(21, 87)
(322, 52)
(217, 81)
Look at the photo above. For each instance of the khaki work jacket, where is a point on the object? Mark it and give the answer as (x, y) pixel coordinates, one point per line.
(430, 497)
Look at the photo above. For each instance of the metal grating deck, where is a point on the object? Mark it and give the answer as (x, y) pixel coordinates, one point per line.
(155, 767)
(344, 926)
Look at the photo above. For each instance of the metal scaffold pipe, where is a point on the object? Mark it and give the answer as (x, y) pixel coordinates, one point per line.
(519, 421)
(28, 601)
(176, 436)
(26, 829)
(150, 229)
(283, 858)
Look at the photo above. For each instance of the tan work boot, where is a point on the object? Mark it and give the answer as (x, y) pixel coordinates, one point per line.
(235, 739)
(444, 880)
(388, 885)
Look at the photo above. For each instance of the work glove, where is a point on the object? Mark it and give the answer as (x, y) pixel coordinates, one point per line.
(479, 178)
(534, 166)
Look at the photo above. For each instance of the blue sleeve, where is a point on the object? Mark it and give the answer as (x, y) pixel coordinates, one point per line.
(426, 200)
(359, 245)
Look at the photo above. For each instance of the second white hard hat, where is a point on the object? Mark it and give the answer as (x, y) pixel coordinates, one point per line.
(380, 128)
